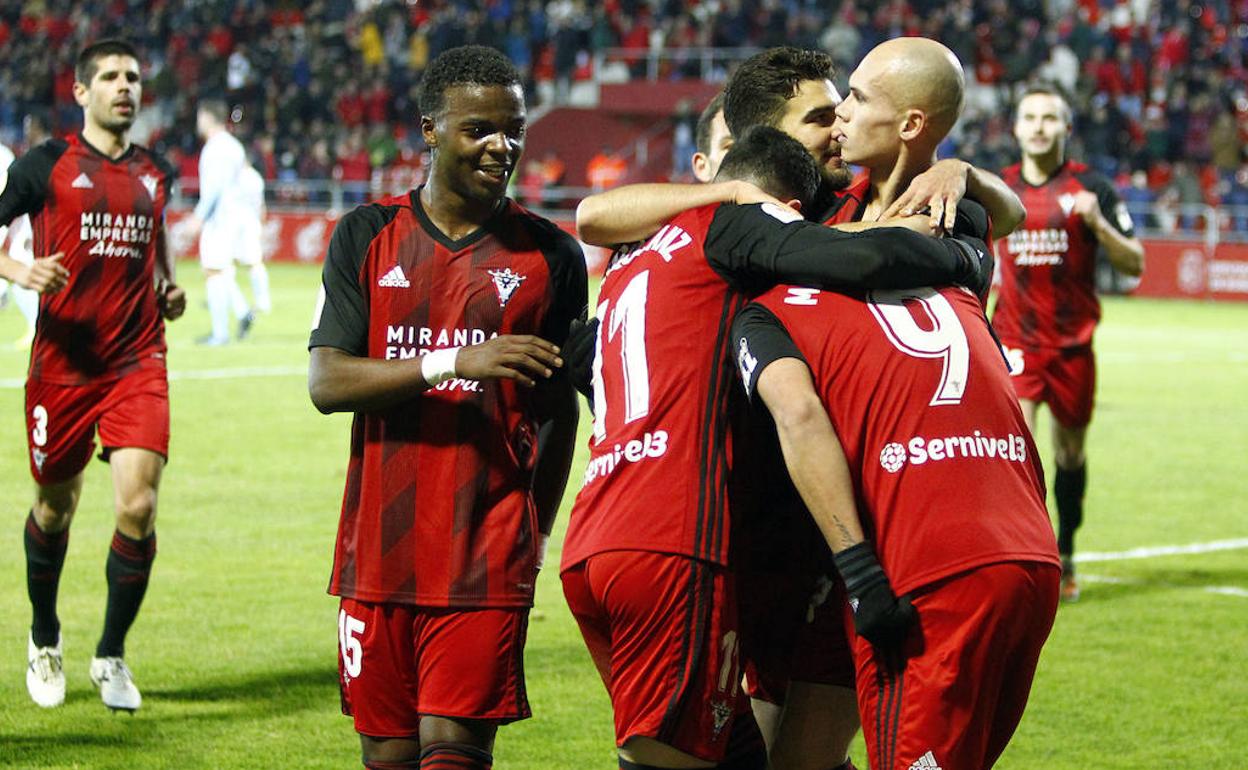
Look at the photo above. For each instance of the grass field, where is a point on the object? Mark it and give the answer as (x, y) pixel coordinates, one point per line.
(235, 647)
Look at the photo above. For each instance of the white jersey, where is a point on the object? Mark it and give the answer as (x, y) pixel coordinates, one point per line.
(6, 160)
(248, 198)
(221, 162)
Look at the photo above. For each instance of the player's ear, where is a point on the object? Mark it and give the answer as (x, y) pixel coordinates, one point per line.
(428, 131)
(912, 124)
(701, 167)
(794, 204)
(80, 93)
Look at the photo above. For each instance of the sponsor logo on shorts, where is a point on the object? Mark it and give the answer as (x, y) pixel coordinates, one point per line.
(921, 449)
(926, 762)
(720, 713)
(39, 457)
(651, 445)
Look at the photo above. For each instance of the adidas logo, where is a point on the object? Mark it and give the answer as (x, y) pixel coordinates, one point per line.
(83, 182)
(394, 279)
(926, 762)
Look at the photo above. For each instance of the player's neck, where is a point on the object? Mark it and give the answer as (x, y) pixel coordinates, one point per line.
(1037, 169)
(105, 141)
(888, 182)
(457, 216)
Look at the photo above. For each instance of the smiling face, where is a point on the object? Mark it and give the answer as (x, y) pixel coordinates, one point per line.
(111, 100)
(1042, 125)
(477, 139)
(808, 118)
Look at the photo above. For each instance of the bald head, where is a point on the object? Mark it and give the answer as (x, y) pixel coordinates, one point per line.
(919, 74)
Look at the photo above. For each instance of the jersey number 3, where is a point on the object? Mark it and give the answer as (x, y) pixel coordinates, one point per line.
(626, 321)
(946, 339)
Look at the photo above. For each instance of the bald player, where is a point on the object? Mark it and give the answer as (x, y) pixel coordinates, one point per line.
(967, 541)
(712, 140)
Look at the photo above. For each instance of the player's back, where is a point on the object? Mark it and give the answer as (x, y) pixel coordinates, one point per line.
(945, 469)
(661, 445)
(1047, 295)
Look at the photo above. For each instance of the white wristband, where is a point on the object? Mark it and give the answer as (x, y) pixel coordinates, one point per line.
(438, 366)
(543, 542)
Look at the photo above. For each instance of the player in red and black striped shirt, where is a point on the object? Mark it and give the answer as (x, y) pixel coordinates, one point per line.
(439, 325)
(97, 206)
(1047, 307)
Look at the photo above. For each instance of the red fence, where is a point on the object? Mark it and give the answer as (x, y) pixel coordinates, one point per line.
(1172, 268)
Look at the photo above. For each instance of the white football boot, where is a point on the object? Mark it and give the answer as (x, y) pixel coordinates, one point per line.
(116, 684)
(45, 676)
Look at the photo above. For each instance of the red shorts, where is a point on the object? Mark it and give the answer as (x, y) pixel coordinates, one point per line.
(662, 630)
(792, 630)
(61, 420)
(962, 685)
(397, 662)
(1063, 378)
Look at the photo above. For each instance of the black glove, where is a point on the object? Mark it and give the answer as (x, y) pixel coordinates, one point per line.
(879, 615)
(578, 355)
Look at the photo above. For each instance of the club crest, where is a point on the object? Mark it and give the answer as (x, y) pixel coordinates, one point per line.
(506, 281)
(149, 184)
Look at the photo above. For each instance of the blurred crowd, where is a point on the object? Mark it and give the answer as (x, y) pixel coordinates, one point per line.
(327, 89)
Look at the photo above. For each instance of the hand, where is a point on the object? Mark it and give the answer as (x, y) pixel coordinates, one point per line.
(519, 357)
(744, 193)
(171, 299)
(938, 189)
(47, 275)
(879, 616)
(1087, 207)
(578, 351)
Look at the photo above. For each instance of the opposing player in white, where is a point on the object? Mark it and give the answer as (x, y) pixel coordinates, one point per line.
(248, 214)
(18, 238)
(221, 164)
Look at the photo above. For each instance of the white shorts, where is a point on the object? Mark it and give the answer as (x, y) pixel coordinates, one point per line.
(220, 247)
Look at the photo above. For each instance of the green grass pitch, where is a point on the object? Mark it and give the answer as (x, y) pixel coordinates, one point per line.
(235, 647)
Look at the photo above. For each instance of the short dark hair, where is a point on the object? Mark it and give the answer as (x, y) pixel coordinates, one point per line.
(757, 92)
(39, 119)
(702, 133)
(86, 67)
(1047, 88)
(217, 108)
(465, 65)
(774, 161)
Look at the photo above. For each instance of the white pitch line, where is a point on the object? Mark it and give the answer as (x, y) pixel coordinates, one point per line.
(1219, 590)
(234, 373)
(1150, 552)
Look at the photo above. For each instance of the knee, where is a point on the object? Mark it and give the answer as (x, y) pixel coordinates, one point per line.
(137, 510)
(53, 511)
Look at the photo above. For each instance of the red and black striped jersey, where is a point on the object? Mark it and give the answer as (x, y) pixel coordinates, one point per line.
(664, 415)
(1047, 296)
(106, 215)
(438, 508)
(847, 204)
(945, 471)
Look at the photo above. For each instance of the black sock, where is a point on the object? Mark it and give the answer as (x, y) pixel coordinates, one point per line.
(45, 555)
(128, 567)
(1068, 487)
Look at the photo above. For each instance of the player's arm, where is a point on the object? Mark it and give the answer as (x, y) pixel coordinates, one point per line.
(774, 371)
(941, 187)
(22, 191)
(637, 211)
(169, 295)
(1104, 213)
(758, 246)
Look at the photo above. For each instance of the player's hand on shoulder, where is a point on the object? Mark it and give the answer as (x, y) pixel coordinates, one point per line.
(1086, 207)
(938, 189)
(524, 358)
(171, 299)
(46, 275)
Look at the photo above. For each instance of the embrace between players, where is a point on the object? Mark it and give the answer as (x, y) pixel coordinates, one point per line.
(861, 331)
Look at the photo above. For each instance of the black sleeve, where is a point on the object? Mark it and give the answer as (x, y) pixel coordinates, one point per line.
(761, 339)
(569, 280)
(342, 309)
(169, 172)
(26, 186)
(972, 227)
(757, 246)
(1111, 204)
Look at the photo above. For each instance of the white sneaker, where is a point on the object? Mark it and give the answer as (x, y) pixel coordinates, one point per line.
(45, 677)
(116, 684)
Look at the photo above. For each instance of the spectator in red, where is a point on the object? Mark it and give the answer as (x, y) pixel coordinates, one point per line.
(605, 170)
(350, 106)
